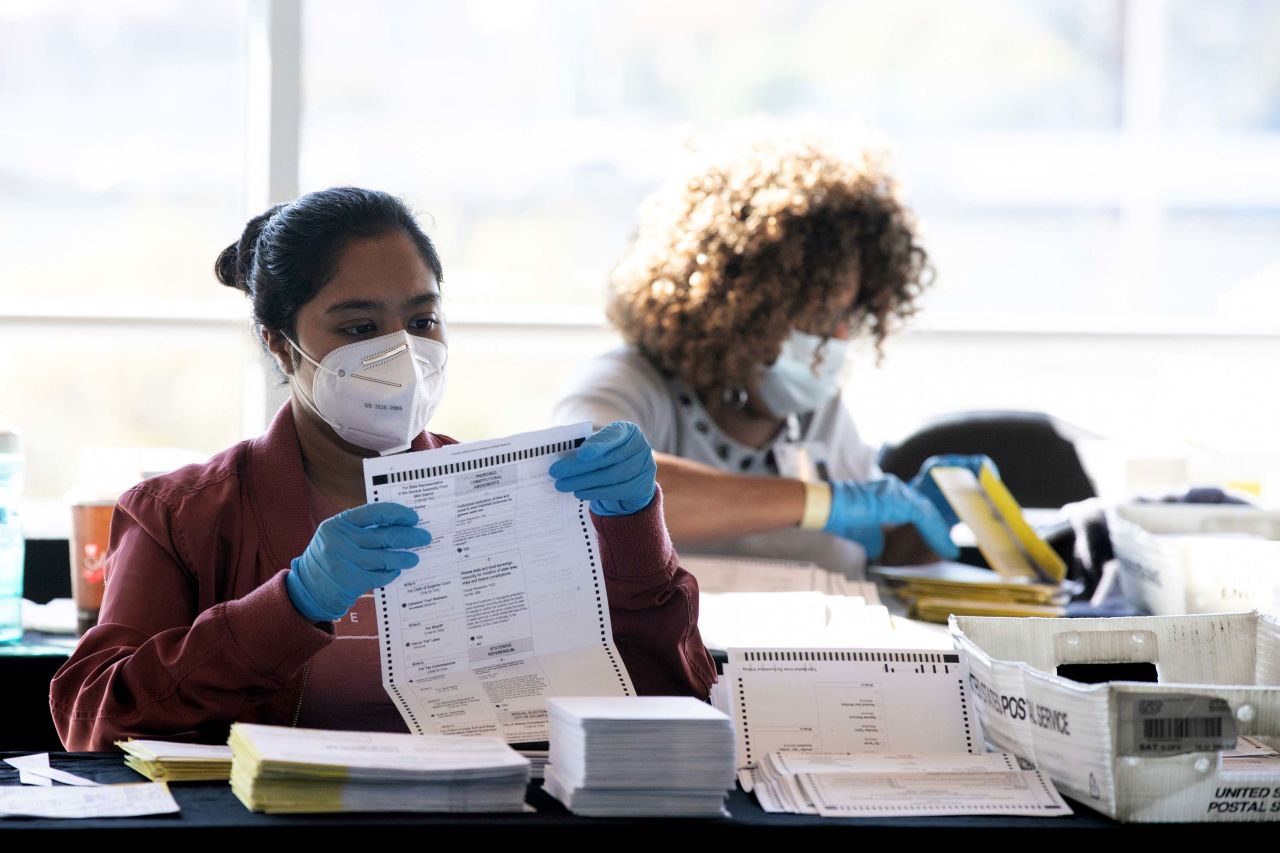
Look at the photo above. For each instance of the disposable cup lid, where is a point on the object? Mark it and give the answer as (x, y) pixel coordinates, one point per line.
(89, 496)
(95, 502)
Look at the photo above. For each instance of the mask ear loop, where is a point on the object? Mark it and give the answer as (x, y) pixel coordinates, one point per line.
(819, 355)
(303, 353)
(297, 386)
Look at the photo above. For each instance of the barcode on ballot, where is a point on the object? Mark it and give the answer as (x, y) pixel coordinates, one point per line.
(1177, 729)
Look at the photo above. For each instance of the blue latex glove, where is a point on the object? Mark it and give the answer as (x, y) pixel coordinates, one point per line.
(927, 486)
(860, 511)
(353, 552)
(613, 468)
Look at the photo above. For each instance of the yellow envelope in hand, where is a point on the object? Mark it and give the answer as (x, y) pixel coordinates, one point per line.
(1008, 543)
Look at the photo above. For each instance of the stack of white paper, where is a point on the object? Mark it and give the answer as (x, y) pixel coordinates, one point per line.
(277, 769)
(732, 619)
(537, 761)
(648, 755)
(756, 574)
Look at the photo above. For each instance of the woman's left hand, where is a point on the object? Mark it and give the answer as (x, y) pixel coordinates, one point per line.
(613, 468)
(927, 486)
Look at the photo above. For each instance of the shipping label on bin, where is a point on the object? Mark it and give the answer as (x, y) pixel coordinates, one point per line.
(1172, 724)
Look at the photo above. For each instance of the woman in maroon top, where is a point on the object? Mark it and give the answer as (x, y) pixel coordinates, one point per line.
(230, 582)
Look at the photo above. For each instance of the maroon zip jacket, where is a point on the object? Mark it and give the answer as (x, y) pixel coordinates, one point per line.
(197, 631)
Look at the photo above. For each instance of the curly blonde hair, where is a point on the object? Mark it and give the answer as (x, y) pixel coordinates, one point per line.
(726, 262)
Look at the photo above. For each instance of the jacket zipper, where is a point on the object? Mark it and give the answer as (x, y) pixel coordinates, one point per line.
(297, 711)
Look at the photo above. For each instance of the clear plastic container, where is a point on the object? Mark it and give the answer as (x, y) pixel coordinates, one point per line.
(12, 472)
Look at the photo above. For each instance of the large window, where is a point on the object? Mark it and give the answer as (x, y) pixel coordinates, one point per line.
(122, 162)
(530, 131)
(1077, 164)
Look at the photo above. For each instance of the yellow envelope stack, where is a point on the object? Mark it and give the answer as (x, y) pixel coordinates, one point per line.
(281, 770)
(162, 761)
(940, 589)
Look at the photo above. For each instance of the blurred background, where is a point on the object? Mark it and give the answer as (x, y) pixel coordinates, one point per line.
(1099, 182)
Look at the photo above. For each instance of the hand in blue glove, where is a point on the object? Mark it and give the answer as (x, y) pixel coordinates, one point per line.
(860, 511)
(613, 468)
(927, 486)
(353, 552)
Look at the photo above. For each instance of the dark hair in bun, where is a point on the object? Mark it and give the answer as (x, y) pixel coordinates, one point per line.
(288, 253)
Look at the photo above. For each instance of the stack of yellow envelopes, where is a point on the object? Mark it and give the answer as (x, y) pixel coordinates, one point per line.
(940, 589)
(162, 761)
(282, 770)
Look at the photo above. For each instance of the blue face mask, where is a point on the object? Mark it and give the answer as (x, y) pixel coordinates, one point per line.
(805, 375)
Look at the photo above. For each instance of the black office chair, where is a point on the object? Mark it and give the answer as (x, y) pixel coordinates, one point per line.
(1040, 467)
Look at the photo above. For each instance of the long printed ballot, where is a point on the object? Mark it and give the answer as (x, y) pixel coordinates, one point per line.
(849, 701)
(507, 605)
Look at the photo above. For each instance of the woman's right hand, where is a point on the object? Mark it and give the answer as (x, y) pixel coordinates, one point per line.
(352, 553)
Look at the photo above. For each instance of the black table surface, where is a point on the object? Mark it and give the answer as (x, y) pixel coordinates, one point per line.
(209, 808)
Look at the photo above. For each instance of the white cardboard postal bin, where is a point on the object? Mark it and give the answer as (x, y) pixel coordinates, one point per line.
(1137, 751)
(1185, 558)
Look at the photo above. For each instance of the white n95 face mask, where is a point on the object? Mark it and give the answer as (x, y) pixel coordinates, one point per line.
(802, 378)
(380, 393)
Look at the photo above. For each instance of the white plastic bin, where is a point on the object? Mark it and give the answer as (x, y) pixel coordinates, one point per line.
(1180, 558)
(1137, 751)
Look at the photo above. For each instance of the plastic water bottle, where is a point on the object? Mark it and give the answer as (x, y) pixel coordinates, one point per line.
(12, 471)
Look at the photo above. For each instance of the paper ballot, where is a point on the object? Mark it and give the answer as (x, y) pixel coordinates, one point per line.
(146, 798)
(508, 603)
(849, 701)
(903, 785)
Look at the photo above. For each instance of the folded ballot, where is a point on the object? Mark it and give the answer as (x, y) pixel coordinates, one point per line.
(276, 769)
(901, 785)
(163, 761)
(645, 755)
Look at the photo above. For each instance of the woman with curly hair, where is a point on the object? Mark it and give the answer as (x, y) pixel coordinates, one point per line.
(737, 300)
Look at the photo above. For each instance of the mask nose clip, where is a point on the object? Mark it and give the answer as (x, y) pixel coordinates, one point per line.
(370, 361)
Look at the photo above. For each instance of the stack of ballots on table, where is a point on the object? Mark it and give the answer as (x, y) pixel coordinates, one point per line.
(649, 755)
(729, 574)
(277, 769)
(163, 761)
